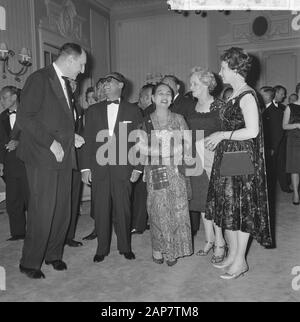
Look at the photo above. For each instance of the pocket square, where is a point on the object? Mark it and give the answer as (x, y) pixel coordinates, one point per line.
(126, 122)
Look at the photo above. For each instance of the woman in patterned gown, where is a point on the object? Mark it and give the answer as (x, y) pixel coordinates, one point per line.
(205, 118)
(167, 200)
(239, 204)
(291, 123)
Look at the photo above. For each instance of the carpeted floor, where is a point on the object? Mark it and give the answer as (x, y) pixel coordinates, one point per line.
(191, 279)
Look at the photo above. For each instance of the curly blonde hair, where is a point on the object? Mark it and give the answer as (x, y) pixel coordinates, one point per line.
(206, 77)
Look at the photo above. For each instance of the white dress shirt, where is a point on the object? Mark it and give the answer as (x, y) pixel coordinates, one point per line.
(270, 103)
(12, 120)
(275, 103)
(112, 113)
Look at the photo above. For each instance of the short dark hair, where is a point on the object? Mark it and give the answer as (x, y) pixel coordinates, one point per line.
(269, 90)
(70, 49)
(297, 88)
(237, 59)
(89, 90)
(174, 78)
(148, 86)
(13, 90)
(160, 84)
(279, 87)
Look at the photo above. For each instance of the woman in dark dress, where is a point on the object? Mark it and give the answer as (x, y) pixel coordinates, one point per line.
(291, 123)
(205, 119)
(239, 204)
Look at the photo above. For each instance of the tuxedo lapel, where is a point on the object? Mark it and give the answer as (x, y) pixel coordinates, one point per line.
(120, 117)
(6, 123)
(103, 117)
(56, 86)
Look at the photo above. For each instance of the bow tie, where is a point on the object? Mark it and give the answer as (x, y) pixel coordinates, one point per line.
(113, 102)
(11, 112)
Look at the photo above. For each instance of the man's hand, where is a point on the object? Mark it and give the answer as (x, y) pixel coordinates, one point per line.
(57, 150)
(86, 177)
(1, 169)
(11, 145)
(134, 176)
(79, 141)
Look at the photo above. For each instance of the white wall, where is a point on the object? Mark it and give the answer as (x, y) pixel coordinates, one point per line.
(165, 43)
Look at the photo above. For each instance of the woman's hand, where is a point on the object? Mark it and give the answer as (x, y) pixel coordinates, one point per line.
(213, 140)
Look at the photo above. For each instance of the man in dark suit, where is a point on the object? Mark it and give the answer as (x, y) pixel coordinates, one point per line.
(139, 195)
(47, 147)
(76, 190)
(105, 164)
(284, 178)
(273, 134)
(11, 167)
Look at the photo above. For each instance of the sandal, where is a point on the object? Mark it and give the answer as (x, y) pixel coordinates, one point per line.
(218, 259)
(203, 252)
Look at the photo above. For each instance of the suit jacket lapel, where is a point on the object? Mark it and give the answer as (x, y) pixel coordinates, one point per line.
(120, 116)
(56, 86)
(6, 123)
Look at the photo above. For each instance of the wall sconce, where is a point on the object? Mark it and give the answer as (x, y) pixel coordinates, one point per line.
(24, 60)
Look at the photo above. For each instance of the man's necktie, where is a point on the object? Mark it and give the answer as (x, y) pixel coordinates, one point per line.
(113, 102)
(70, 97)
(11, 112)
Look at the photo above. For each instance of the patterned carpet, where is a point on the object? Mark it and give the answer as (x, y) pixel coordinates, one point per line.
(191, 279)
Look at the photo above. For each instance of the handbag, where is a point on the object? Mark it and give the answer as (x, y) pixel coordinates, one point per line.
(236, 163)
(159, 177)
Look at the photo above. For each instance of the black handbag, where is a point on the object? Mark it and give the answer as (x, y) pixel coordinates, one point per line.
(236, 163)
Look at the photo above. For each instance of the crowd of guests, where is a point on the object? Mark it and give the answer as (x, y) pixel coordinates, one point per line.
(53, 145)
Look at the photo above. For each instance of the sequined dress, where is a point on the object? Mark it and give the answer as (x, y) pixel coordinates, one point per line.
(240, 202)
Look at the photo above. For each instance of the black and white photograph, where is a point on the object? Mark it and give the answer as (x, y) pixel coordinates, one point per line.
(149, 154)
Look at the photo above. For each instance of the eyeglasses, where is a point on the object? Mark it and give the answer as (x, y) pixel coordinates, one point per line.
(107, 80)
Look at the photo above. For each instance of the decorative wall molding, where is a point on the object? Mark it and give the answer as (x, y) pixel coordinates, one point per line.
(64, 20)
(241, 29)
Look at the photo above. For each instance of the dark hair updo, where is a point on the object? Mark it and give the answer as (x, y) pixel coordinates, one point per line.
(237, 59)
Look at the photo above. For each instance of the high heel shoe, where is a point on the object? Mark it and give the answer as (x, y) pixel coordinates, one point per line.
(158, 260)
(203, 252)
(218, 259)
(171, 263)
(228, 276)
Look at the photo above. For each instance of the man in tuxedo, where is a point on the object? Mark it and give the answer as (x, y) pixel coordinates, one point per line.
(76, 190)
(11, 167)
(105, 164)
(283, 177)
(273, 134)
(100, 94)
(139, 195)
(47, 147)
